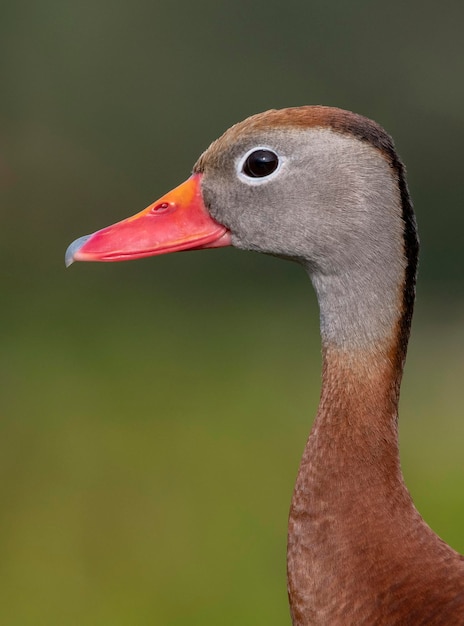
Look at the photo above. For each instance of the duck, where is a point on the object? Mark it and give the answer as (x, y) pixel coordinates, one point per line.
(326, 188)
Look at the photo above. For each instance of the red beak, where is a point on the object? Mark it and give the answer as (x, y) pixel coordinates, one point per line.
(177, 221)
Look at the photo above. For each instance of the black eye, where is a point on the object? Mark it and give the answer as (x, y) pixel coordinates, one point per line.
(260, 163)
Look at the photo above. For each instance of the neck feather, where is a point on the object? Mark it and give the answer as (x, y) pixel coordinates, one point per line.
(349, 484)
(350, 498)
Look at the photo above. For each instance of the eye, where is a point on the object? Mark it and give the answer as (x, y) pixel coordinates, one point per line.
(260, 163)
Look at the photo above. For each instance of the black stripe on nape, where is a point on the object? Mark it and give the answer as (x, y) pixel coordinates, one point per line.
(367, 130)
(411, 249)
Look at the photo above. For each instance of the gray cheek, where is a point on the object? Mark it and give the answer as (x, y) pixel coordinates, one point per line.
(213, 201)
(237, 207)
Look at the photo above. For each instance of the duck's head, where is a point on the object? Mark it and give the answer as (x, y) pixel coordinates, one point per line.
(315, 184)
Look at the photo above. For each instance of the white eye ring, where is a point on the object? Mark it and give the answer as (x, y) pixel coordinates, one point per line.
(258, 180)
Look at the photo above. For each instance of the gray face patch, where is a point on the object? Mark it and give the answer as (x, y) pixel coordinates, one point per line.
(334, 206)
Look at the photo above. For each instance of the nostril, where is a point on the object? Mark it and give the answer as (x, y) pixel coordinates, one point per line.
(161, 207)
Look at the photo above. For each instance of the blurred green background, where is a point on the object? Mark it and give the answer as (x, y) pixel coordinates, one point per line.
(153, 413)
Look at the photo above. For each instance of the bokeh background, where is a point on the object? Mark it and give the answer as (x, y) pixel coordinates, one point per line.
(153, 413)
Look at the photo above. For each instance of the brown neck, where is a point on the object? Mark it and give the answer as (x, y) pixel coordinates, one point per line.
(358, 550)
(349, 482)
